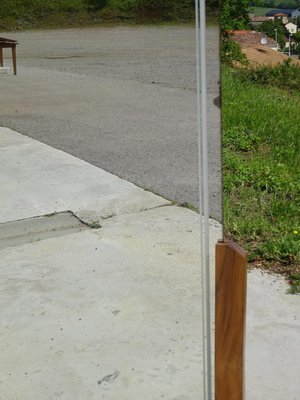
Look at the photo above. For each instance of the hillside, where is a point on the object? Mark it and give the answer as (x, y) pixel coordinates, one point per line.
(15, 14)
(274, 3)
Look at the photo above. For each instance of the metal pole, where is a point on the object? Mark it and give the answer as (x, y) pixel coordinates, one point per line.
(203, 195)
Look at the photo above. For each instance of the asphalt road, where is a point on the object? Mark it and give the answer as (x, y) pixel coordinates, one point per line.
(120, 98)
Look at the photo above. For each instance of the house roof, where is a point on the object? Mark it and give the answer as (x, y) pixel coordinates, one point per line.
(251, 38)
(261, 55)
(260, 18)
(273, 13)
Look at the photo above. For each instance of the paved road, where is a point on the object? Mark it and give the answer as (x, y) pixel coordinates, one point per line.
(120, 98)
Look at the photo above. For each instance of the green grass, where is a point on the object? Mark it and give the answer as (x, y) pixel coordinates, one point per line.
(260, 11)
(262, 171)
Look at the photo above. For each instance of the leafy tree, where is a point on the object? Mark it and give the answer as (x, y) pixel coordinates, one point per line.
(95, 5)
(231, 52)
(296, 46)
(234, 15)
(270, 27)
(161, 9)
(258, 3)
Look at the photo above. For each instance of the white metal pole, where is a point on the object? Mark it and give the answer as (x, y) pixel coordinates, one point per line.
(203, 195)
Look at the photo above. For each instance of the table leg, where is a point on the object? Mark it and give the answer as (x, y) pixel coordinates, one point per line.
(14, 57)
(1, 57)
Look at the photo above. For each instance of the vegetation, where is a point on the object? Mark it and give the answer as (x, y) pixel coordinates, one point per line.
(231, 51)
(234, 15)
(268, 27)
(288, 4)
(285, 76)
(262, 168)
(38, 13)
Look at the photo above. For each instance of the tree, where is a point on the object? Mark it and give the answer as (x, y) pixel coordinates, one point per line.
(162, 9)
(271, 27)
(234, 15)
(296, 45)
(95, 5)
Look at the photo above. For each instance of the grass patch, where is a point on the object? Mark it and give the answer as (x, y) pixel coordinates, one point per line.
(262, 171)
(189, 206)
(260, 11)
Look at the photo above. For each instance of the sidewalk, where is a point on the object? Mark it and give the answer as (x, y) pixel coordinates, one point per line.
(100, 290)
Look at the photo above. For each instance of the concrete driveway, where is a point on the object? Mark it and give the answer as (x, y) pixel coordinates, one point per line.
(114, 312)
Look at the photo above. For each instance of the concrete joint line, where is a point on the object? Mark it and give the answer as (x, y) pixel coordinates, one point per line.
(37, 228)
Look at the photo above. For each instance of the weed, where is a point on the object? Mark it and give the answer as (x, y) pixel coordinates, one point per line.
(295, 284)
(189, 206)
(93, 225)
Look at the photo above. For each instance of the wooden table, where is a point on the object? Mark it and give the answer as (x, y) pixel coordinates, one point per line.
(9, 44)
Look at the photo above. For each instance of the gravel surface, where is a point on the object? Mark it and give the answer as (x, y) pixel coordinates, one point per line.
(120, 98)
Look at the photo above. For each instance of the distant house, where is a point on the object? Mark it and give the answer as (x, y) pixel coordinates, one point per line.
(258, 20)
(289, 43)
(252, 38)
(283, 17)
(290, 13)
(291, 28)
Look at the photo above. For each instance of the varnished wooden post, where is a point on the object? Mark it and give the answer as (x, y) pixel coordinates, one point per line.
(231, 286)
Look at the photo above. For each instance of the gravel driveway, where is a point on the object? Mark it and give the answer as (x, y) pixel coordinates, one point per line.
(120, 98)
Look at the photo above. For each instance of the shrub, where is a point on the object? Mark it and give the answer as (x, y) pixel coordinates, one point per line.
(231, 52)
(285, 76)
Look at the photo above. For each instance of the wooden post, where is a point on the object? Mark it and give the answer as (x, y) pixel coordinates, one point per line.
(1, 57)
(231, 286)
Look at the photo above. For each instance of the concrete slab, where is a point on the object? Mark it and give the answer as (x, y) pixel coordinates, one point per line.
(115, 312)
(111, 313)
(29, 230)
(273, 339)
(36, 180)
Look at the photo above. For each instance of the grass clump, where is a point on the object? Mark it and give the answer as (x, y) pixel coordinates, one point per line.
(262, 171)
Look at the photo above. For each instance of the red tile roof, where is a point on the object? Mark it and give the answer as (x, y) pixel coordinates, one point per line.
(251, 38)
